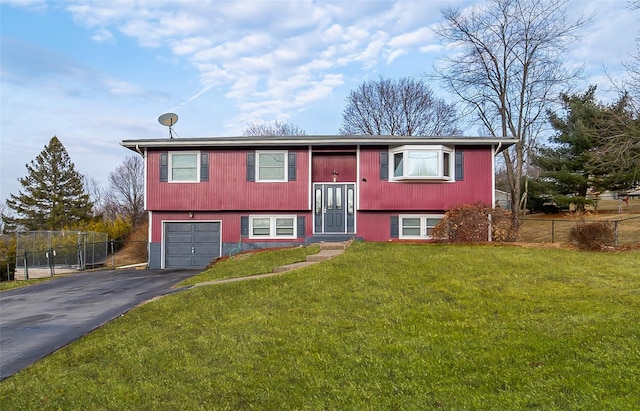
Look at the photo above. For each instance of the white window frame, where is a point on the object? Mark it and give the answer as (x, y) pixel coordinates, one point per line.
(440, 150)
(424, 227)
(272, 226)
(285, 170)
(170, 165)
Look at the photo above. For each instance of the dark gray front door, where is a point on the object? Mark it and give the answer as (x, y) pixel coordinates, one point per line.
(191, 244)
(334, 212)
(334, 208)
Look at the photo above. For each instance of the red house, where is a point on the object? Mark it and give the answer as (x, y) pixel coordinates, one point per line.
(209, 197)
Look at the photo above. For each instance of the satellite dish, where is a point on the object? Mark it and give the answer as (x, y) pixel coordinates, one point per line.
(168, 119)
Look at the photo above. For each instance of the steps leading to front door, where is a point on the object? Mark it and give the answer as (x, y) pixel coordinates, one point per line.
(327, 250)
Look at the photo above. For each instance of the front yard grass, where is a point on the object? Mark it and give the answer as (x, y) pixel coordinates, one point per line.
(382, 326)
(10, 285)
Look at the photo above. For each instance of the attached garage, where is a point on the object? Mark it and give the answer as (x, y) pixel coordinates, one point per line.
(191, 244)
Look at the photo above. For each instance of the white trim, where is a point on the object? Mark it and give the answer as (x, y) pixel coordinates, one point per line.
(316, 140)
(146, 182)
(162, 241)
(407, 149)
(272, 226)
(311, 193)
(493, 176)
(170, 166)
(285, 168)
(423, 225)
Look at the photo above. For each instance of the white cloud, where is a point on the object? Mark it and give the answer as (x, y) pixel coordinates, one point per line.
(394, 55)
(415, 38)
(190, 45)
(103, 36)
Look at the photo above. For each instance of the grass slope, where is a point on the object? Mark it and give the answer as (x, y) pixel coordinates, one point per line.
(382, 326)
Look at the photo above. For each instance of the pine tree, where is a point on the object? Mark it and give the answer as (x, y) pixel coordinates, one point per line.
(52, 195)
(581, 156)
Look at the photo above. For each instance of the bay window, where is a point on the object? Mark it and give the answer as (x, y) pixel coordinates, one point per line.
(422, 162)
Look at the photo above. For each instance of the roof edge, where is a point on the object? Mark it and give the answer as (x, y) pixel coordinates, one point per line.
(339, 140)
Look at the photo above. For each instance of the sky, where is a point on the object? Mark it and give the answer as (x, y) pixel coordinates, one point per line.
(94, 73)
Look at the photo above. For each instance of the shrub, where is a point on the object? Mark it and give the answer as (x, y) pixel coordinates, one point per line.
(592, 236)
(470, 224)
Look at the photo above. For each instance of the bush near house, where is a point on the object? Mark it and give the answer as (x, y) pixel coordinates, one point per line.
(471, 223)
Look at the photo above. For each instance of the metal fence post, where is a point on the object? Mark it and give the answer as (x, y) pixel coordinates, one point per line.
(26, 266)
(553, 231)
(615, 232)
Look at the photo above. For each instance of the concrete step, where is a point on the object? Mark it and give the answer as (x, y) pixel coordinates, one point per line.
(327, 251)
(332, 246)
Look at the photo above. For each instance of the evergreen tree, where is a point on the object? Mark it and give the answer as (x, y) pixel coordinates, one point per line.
(564, 162)
(52, 195)
(575, 162)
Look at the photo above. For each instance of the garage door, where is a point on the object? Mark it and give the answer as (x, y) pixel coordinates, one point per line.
(191, 245)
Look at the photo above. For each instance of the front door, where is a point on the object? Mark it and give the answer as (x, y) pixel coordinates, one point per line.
(334, 218)
(334, 208)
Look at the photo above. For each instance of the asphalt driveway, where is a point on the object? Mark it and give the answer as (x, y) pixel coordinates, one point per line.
(39, 319)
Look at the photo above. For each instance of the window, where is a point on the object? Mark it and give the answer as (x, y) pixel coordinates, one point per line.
(418, 226)
(272, 226)
(422, 162)
(184, 166)
(272, 165)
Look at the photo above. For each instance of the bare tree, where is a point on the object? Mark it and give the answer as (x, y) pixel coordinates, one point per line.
(276, 128)
(506, 65)
(97, 194)
(126, 191)
(404, 107)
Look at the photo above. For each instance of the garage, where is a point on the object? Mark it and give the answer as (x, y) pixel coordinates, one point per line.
(191, 244)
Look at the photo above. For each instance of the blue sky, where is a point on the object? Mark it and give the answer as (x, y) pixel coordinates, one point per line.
(96, 73)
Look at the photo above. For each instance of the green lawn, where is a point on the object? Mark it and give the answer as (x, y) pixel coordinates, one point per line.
(10, 285)
(382, 326)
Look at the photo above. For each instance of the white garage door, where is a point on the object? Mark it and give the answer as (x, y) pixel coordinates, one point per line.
(191, 244)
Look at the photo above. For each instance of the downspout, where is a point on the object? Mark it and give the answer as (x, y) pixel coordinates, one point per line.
(493, 191)
(145, 206)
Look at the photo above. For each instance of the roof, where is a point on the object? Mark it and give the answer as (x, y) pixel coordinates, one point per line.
(313, 140)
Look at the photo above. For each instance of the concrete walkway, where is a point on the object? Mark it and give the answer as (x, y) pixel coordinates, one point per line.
(327, 250)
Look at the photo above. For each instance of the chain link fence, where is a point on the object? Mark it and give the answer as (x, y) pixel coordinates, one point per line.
(43, 253)
(626, 230)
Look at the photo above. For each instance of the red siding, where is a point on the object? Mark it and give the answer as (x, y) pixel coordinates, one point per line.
(376, 194)
(374, 226)
(228, 188)
(230, 223)
(325, 164)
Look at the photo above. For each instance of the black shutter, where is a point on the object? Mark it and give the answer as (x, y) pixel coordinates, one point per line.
(244, 226)
(384, 165)
(301, 227)
(164, 167)
(395, 226)
(459, 166)
(251, 166)
(292, 167)
(204, 167)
